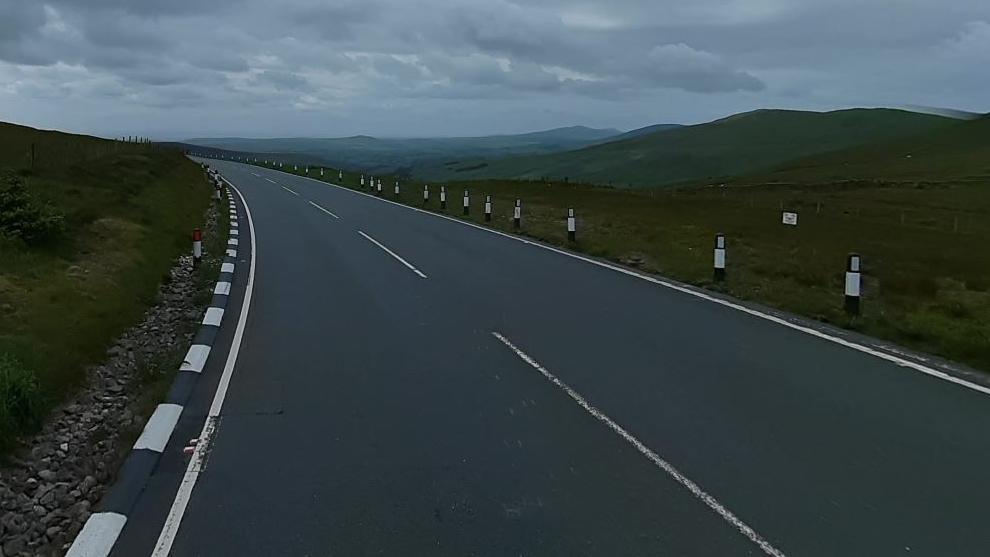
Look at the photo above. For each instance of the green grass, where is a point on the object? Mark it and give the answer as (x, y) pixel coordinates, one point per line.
(926, 280)
(129, 210)
(706, 152)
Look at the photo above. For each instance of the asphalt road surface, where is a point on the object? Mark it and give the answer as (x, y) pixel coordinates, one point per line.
(410, 385)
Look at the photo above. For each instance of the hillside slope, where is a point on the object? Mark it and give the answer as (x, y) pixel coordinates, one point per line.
(382, 155)
(957, 152)
(88, 228)
(735, 145)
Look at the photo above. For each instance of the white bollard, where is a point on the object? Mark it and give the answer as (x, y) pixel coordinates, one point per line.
(571, 225)
(488, 208)
(443, 198)
(197, 245)
(517, 214)
(853, 283)
(719, 257)
(426, 194)
(397, 188)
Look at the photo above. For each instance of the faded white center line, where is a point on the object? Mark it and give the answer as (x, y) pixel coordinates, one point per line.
(324, 210)
(289, 190)
(393, 254)
(270, 180)
(667, 467)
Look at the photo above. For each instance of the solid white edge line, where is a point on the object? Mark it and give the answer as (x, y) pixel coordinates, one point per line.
(98, 535)
(214, 316)
(393, 254)
(756, 313)
(171, 527)
(159, 428)
(324, 210)
(667, 467)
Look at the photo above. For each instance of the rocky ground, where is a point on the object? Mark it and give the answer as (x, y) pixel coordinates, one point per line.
(53, 481)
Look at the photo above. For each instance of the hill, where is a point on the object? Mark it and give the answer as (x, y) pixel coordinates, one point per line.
(88, 228)
(385, 155)
(739, 144)
(960, 151)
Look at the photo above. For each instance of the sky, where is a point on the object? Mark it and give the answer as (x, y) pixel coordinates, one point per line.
(176, 69)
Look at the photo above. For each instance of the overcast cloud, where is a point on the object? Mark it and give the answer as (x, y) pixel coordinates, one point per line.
(183, 68)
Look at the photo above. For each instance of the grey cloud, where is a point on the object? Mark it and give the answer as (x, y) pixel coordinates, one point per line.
(619, 62)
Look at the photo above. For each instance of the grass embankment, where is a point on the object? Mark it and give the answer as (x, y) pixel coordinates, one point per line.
(127, 211)
(927, 269)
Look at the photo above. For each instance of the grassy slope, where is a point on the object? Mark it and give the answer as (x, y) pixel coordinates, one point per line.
(959, 151)
(731, 146)
(926, 264)
(129, 210)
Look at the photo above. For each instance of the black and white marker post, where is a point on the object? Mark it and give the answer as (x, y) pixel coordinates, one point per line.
(379, 187)
(197, 246)
(488, 208)
(443, 198)
(362, 181)
(340, 175)
(426, 194)
(467, 202)
(853, 283)
(571, 226)
(517, 214)
(396, 188)
(321, 172)
(719, 257)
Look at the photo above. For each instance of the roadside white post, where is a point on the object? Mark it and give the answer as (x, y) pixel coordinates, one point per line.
(443, 198)
(517, 214)
(396, 188)
(307, 171)
(467, 202)
(340, 174)
(571, 225)
(295, 168)
(362, 181)
(197, 246)
(426, 194)
(719, 257)
(853, 278)
(321, 172)
(379, 186)
(488, 208)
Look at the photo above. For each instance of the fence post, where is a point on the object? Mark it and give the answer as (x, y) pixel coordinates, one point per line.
(719, 257)
(853, 283)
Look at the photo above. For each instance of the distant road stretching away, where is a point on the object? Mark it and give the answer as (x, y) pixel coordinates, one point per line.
(411, 385)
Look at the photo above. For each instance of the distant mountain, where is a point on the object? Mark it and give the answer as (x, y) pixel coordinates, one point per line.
(382, 155)
(645, 131)
(739, 144)
(955, 152)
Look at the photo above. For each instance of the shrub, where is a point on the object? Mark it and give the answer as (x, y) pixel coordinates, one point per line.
(20, 399)
(22, 216)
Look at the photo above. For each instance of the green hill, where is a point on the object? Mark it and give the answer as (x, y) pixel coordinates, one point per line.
(88, 228)
(386, 155)
(960, 151)
(731, 146)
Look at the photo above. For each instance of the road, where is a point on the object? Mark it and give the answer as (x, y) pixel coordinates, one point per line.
(394, 394)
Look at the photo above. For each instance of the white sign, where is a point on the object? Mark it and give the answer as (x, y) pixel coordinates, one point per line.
(789, 218)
